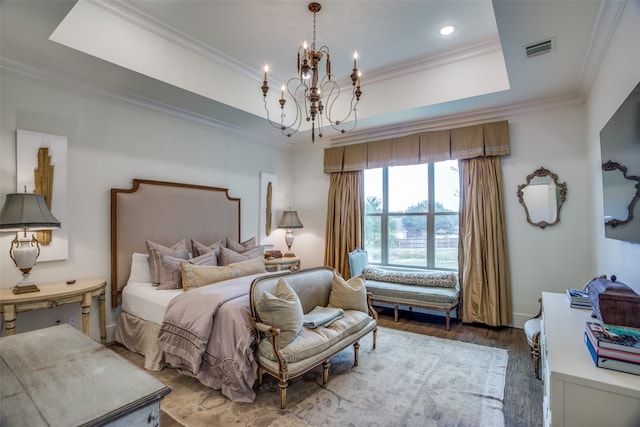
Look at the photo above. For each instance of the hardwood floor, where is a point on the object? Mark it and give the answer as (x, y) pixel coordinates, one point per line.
(523, 392)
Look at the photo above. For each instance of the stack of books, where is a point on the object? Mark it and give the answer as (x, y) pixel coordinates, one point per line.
(613, 347)
(579, 298)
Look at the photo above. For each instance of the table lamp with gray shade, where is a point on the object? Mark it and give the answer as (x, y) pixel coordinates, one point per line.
(24, 212)
(289, 221)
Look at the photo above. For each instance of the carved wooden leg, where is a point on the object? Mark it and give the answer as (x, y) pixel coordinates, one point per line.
(86, 308)
(395, 312)
(103, 319)
(283, 395)
(259, 376)
(536, 364)
(10, 318)
(448, 318)
(325, 373)
(375, 336)
(356, 349)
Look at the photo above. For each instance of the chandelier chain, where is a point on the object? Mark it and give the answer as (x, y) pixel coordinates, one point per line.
(313, 46)
(313, 96)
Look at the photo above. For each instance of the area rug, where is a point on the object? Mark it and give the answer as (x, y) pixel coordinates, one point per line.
(408, 380)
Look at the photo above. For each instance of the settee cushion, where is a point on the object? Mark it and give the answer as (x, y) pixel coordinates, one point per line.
(281, 309)
(437, 279)
(311, 342)
(348, 294)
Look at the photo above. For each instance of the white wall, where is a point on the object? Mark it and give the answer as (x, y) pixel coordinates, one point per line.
(110, 142)
(541, 260)
(618, 75)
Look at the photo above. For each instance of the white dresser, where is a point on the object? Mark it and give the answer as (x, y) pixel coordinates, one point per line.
(576, 392)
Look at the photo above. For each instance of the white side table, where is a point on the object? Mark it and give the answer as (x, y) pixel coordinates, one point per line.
(52, 295)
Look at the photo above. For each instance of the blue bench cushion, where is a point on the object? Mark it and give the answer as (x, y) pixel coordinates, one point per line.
(412, 294)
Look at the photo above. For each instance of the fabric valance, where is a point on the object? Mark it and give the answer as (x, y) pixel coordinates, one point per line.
(488, 139)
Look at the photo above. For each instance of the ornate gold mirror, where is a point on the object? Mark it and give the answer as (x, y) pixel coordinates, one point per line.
(542, 197)
(621, 193)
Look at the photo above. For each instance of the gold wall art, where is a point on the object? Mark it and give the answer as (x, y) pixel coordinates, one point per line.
(267, 204)
(42, 168)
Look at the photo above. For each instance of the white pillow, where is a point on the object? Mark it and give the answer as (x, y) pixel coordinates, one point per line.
(140, 271)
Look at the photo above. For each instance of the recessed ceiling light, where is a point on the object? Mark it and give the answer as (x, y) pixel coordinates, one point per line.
(446, 30)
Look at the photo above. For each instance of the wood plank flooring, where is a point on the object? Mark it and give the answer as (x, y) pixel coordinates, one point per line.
(523, 392)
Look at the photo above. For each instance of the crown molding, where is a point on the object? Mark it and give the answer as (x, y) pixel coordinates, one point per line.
(141, 101)
(606, 23)
(435, 61)
(173, 35)
(453, 121)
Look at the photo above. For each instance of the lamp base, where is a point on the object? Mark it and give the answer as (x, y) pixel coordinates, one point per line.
(23, 289)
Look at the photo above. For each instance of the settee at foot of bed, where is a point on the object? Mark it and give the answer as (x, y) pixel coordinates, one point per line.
(286, 347)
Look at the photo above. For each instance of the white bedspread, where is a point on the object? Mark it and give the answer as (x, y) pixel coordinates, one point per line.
(146, 302)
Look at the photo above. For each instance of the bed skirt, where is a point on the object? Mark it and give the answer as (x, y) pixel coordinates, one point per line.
(140, 336)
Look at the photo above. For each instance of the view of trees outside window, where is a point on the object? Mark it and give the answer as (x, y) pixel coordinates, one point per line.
(411, 215)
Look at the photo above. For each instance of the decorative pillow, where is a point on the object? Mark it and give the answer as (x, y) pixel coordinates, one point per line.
(194, 276)
(241, 246)
(281, 308)
(348, 294)
(178, 250)
(140, 271)
(439, 279)
(171, 272)
(229, 256)
(201, 249)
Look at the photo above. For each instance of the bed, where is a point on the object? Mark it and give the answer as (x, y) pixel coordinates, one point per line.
(207, 331)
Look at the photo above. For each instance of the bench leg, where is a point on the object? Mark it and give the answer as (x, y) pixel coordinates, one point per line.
(448, 319)
(259, 376)
(375, 336)
(325, 373)
(395, 312)
(283, 395)
(356, 349)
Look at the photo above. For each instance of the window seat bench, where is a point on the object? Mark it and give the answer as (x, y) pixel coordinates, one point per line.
(434, 290)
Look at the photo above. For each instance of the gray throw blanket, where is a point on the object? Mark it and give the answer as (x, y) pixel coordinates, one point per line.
(321, 317)
(208, 332)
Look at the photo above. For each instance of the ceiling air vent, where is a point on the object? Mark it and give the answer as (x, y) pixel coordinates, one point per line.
(539, 48)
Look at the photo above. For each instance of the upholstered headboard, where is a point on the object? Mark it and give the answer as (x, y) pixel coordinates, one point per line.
(166, 212)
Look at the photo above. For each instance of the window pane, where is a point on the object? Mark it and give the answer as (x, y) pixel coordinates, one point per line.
(446, 245)
(447, 188)
(408, 188)
(372, 238)
(407, 240)
(373, 191)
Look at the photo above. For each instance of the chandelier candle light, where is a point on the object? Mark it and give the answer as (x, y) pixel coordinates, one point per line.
(313, 97)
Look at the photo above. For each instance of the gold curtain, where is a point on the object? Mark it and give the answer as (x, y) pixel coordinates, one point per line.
(483, 258)
(345, 213)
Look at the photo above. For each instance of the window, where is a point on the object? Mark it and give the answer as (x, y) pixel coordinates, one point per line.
(411, 215)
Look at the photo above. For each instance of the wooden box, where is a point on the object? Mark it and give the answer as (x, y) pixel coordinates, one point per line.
(614, 303)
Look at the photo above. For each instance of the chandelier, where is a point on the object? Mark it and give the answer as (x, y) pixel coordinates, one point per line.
(313, 97)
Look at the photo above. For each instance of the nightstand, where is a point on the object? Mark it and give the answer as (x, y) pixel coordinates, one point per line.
(280, 264)
(52, 295)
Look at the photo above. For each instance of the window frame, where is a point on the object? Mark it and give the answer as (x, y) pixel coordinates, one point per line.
(430, 215)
